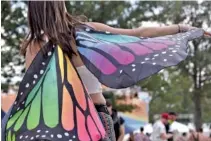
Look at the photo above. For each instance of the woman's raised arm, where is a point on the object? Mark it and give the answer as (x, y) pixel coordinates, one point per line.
(141, 31)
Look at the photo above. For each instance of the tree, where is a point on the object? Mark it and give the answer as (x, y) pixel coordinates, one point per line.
(13, 30)
(197, 66)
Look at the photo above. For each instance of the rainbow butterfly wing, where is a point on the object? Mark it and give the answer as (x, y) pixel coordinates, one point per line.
(53, 104)
(120, 61)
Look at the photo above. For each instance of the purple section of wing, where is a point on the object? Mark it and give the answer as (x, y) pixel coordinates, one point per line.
(155, 46)
(100, 62)
(137, 48)
(164, 41)
(123, 57)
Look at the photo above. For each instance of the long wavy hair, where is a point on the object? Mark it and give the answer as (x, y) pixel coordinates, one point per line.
(52, 19)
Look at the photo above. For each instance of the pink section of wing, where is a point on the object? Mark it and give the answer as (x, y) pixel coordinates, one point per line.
(95, 135)
(137, 48)
(155, 46)
(96, 117)
(82, 132)
(123, 57)
(102, 63)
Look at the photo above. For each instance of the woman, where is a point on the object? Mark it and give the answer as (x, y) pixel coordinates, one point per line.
(52, 103)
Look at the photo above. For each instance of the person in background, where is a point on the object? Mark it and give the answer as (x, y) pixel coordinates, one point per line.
(171, 119)
(198, 136)
(141, 136)
(131, 138)
(159, 130)
(183, 137)
(117, 121)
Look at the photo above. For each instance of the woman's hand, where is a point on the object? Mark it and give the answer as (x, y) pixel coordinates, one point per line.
(185, 28)
(207, 34)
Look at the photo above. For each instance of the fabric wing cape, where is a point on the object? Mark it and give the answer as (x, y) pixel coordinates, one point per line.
(52, 102)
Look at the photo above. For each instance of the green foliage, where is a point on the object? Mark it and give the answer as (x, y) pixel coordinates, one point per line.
(124, 107)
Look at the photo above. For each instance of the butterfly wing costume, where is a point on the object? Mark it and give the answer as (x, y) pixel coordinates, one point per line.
(52, 102)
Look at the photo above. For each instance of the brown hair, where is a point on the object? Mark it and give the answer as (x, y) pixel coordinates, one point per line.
(51, 18)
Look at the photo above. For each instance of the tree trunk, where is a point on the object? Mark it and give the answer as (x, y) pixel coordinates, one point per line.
(197, 109)
(197, 90)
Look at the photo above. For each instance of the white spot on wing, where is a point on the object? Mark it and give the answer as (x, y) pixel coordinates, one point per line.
(27, 85)
(107, 32)
(87, 29)
(35, 76)
(43, 136)
(66, 134)
(49, 53)
(41, 71)
(146, 58)
(59, 135)
(120, 71)
(38, 131)
(133, 69)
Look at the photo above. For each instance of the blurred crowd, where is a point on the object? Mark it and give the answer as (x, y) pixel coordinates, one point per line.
(162, 131)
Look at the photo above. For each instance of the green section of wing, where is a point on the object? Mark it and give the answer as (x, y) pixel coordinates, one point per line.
(34, 113)
(9, 136)
(21, 119)
(14, 118)
(50, 96)
(34, 90)
(13, 137)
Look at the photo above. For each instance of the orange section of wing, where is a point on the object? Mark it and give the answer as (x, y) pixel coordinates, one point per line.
(67, 111)
(73, 79)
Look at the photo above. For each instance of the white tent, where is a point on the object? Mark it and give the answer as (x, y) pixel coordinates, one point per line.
(176, 126)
